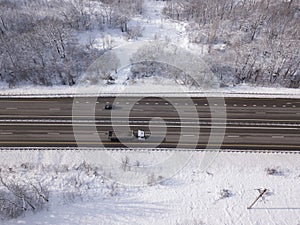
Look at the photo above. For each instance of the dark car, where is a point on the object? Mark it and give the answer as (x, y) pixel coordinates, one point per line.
(108, 106)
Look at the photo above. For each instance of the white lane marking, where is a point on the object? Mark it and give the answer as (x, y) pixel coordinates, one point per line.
(206, 104)
(97, 102)
(260, 113)
(233, 136)
(137, 103)
(284, 106)
(277, 137)
(87, 102)
(107, 119)
(156, 103)
(107, 102)
(12, 108)
(235, 105)
(288, 103)
(77, 102)
(254, 105)
(147, 103)
(54, 109)
(264, 106)
(188, 135)
(127, 103)
(53, 133)
(141, 123)
(274, 106)
(176, 103)
(166, 103)
(186, 104)
(196, 104)
(225, 105)
(294, 106)
(215, 104)
(6, 133)
(245, 105)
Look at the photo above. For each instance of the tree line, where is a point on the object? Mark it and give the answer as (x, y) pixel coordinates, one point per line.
(261, 38)
(38, 41)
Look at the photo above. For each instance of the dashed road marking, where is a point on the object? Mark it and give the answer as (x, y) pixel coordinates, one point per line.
(53, 133)
(6, 133)
(12, 108)
(278, 136)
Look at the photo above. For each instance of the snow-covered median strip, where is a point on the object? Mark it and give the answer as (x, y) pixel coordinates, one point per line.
(135, 90)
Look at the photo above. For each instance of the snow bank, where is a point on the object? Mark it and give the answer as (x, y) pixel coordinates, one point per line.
(219, 195)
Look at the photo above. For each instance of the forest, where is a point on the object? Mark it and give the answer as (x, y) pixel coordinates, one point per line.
(38, 42)
(246, 41)
(261, 38)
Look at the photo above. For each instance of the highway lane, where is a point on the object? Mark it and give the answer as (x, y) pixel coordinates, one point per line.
(251, 123)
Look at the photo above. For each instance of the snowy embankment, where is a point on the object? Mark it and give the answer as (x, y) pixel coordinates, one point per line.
(145, 89)
(218, 195)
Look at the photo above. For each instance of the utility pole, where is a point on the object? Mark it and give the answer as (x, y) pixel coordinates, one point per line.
(261, 193)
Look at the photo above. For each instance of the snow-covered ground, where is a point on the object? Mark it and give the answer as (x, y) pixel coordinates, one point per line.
(218, 195)
(155, 27)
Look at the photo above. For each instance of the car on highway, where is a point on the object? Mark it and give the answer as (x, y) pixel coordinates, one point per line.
(108, 106)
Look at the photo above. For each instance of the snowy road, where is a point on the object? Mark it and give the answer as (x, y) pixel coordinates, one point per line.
(231, 123)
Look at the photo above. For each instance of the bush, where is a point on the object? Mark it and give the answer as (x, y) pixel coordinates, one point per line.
(16, 198)
(275, 171)
(225, 193)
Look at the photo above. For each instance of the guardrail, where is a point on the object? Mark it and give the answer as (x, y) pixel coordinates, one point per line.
(157, 94)
(145, 150)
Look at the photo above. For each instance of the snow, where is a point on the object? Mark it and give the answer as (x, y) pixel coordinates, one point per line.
(153, 86)
(154, 27)
(191, 196)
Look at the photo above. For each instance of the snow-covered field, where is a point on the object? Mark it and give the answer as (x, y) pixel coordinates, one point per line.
(218, 195)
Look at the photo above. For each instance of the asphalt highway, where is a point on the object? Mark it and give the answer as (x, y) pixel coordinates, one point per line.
(230, 123)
